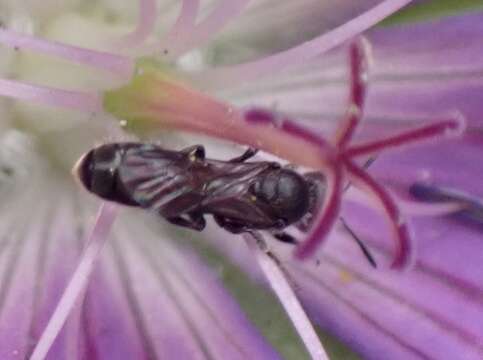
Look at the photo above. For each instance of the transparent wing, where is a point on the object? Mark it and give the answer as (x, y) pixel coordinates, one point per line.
(158, 179)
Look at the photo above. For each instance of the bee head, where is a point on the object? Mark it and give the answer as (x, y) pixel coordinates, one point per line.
(97, 170)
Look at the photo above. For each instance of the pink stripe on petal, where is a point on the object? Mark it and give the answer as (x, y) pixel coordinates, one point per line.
(169, 333)
(108, 321)
(18, 292)
(423, 293)
(201, 314)
(406, 318)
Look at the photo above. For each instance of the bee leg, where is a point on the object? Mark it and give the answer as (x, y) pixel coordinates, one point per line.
(195, 152)
(191, 221)
(284, 237)
(228, 225)
(249, 153)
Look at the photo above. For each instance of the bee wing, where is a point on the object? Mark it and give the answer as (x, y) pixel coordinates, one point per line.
(235, 201)
(154, 178)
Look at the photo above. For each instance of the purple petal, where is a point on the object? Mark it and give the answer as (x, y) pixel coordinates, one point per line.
(428, 312)
(458, 44)
(147, 298)
(406, 84)
(409, 315)
(174, 287)
(435, 310)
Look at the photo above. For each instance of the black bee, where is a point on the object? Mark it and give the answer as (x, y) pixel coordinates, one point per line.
(183, 186)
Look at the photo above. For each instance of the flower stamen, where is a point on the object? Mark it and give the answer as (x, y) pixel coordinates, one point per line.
(358, 61)
(117, 64)
(145, 25)
(79, 280)
(203, 32)
(466, 206)
(281, 286)
(83, 101)
(184, 24)
(363, 180)
(235, 74)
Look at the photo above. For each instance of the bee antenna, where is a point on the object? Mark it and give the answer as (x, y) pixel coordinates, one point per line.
(363, 247)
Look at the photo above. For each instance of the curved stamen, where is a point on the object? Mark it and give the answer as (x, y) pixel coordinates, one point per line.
(417, 209)
(358, 59)
(220, 17)
(78, 282)
(328, 215)
(300, 54)
(86, 102)
(281, 286)
(410, 207)
(469, 207)
(183, 25)
(445, 128)
(145, 25)
(363, 180)
(116, 64)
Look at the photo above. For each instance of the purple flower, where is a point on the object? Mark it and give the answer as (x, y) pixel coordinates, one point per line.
(147, 293)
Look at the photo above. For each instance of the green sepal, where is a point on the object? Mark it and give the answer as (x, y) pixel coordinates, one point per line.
(128, 103)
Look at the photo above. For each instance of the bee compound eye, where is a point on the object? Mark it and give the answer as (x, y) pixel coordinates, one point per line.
(102, 182)
(98, 170)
